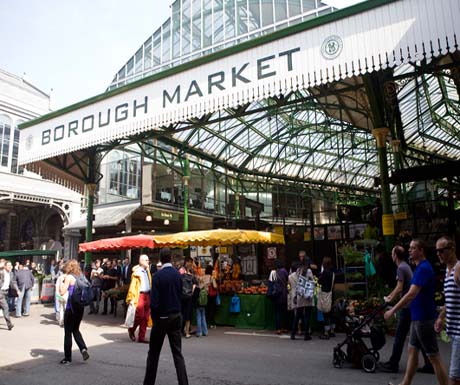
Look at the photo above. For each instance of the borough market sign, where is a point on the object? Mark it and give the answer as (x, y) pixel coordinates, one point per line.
(370, 36)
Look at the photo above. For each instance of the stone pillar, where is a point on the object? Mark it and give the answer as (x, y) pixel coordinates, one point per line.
(380, 135)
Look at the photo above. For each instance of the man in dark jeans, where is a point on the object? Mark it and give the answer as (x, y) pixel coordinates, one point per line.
(403, 278)
(167, 320)
(110, 277)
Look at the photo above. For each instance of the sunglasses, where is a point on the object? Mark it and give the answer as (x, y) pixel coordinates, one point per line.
(441, 250)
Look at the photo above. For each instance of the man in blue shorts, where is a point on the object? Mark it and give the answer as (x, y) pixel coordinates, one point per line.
(445, 248)
(420, 297)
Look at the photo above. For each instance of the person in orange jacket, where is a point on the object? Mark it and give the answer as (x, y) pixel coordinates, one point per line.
(139, 296)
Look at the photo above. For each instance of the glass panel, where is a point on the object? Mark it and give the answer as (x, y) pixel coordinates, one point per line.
(121, 73)
(130, 67)
(218, 21)
(229, 19)
(176, 29)
(148, 54)
(254, 15)
(308, 5)
(139, 62)
(294, 8)
(207, 23)
(186, 27)
(267, 12)
(196, 25)
(166, 45)
(280, 10)
(242, 21)
(157, 48)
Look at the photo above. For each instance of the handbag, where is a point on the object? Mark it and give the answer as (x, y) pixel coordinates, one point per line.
(130, 315)
(273, 286)
(305, 287)
(325, 299)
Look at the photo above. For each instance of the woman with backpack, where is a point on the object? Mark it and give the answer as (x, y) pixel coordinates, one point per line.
(301, 297)
(279, 280)
(189, 283)
(73, 313)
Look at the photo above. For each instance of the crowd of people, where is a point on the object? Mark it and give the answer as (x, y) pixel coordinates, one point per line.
(16, 289)
(288, 297)
(164, 297)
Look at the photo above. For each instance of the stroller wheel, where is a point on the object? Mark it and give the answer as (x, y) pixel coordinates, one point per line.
(338, 358)
(368, 363)
(376, 354)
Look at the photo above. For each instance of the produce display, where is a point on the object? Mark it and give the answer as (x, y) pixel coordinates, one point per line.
(241, 287)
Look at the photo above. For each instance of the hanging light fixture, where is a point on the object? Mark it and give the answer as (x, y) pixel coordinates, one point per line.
(148, 218)
(166, 222)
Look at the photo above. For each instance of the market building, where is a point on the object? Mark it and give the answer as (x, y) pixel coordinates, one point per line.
(33, 207)
(290, 114)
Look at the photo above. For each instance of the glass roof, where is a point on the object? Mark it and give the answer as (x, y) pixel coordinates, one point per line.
(321, 136)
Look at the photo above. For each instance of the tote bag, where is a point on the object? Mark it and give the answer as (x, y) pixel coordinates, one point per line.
(325, 299)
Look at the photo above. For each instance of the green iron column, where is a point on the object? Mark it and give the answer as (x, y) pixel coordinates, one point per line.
(400, 193)
(237, 202)
(186, 179)
(90, 191)
(380, 135)
(90, 185)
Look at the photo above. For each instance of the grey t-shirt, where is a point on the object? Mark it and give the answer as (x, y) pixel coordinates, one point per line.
(404, 274)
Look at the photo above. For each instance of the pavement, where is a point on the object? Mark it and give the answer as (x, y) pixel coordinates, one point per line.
(30, 354)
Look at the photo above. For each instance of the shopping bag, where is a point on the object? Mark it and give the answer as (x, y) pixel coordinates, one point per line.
(324, 301)
(130, 315)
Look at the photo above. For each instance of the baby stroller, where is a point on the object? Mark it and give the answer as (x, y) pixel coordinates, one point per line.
(353, 349)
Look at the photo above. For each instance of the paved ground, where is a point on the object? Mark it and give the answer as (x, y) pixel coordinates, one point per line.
(29, 354)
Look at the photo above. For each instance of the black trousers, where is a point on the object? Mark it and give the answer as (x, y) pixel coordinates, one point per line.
(72, 320)
(211, 310)
(112, 304)
(171, 327)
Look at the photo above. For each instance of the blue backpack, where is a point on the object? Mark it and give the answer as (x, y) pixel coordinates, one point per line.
(83, 293)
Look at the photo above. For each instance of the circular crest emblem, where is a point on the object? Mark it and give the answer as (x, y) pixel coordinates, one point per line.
(29, 142)
(332, 47)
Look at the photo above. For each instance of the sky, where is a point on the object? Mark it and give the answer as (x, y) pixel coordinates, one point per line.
(76, 47)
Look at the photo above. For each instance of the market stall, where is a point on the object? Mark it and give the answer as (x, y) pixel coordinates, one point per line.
(256, 311)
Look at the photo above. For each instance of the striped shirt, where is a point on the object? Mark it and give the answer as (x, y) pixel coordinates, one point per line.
(452, 296)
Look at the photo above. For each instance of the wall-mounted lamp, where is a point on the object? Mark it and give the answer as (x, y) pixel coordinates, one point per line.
(93, 231)
(166, 222)
(148, 218)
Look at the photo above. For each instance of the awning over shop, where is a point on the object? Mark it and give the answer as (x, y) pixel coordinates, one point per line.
(215, 237)
(26, 253)
(119, 243)
(106, 216)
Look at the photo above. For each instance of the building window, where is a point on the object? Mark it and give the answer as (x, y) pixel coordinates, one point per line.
(5, 134)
